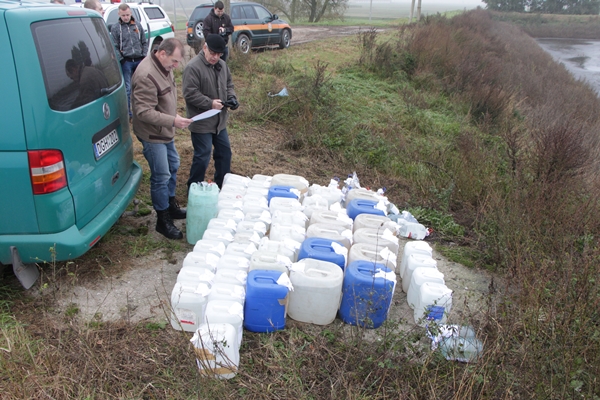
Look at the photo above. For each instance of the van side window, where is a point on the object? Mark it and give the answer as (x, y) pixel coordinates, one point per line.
(154, 13)
(80, 67)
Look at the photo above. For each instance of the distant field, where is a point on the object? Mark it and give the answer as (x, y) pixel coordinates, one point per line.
(381, 9)
(401, 9)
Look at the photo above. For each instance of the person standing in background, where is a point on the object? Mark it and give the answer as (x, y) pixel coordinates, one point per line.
(154, 105)
(218, 23)
(97, 6)
(131, 42)
(207, 85)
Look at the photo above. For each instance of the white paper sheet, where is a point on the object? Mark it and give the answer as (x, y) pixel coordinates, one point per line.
(205, 114)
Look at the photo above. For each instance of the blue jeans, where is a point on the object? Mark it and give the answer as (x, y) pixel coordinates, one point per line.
(129, 68)
(203, 144)
(163, 161)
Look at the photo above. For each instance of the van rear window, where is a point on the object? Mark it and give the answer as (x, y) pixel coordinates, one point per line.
(78, 61)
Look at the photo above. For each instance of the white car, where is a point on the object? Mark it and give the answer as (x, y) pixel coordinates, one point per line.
(155, 21)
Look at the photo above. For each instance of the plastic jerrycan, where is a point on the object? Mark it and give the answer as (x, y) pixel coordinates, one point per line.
(201, 208)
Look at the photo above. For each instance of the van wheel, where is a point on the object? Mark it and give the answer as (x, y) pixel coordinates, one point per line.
(244, 44)
(286, 38)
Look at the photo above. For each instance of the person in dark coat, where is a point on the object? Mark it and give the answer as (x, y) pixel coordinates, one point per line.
(207, 85)
(218, 23)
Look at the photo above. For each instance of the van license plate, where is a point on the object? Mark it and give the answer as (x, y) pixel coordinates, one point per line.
(103, 145)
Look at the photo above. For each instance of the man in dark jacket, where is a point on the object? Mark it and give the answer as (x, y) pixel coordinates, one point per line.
(131, 41)
(218, 23)
(207, 85)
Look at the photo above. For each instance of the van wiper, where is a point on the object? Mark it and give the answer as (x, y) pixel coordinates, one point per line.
(105, 91)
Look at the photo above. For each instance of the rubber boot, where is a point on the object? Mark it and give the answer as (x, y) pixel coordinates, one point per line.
(174, 211)
(165, 226)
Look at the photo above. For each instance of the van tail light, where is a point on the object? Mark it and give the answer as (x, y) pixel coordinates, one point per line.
(47, 170)
(114, 1)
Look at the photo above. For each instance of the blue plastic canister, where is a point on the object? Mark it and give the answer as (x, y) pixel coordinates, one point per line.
(367, 294)
(201, 208)
(266, 301)
(363, 206)
(283, 191)
(324, 249)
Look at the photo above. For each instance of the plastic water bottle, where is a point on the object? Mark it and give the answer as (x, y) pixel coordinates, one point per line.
(459, 343)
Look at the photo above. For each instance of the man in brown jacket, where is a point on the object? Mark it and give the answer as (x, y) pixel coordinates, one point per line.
(154, 106)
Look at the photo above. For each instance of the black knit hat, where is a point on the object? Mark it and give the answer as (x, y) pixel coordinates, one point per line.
(216, 43)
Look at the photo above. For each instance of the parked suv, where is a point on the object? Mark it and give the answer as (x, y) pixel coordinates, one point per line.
(66, 155)
(254, 27)
(153, 18)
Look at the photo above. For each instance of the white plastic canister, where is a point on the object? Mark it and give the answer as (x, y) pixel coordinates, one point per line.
(235, 179)
(263, 180)
(247, 237)
(227, 291)
(269, 260)
(201, 259)
(222, 235)
(365, 220)
(252, 226)
(331, 193)
(263, 216)
(373, 253)
(292, 217)
(360, 193)
(285, 204)
(317, 291)
(217, 350)
(219, 223)
(236, 204)
(233, 276)
(419, 277)
(314, 203)
(215, 247)
(231, 213)
(296, 181)
(381, 238)
(331, 217)
(416, 247)
(416, 261)
(241, 249)
(226, 312)
(192, 275)
(188, 303)
(434, 304)
(334, 232)
(281, 232)
(286, 247)
(234, 261)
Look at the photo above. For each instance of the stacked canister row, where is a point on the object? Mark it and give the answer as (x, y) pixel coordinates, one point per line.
(270, 247)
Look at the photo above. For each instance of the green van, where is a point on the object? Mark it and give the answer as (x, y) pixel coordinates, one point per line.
(66, 155)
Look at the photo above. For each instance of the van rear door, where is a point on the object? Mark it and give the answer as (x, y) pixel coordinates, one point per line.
(82, 113)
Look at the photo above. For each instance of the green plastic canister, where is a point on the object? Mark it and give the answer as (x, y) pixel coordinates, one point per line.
(201, 208)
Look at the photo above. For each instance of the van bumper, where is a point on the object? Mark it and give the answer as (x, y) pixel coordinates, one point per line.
(72, 242)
